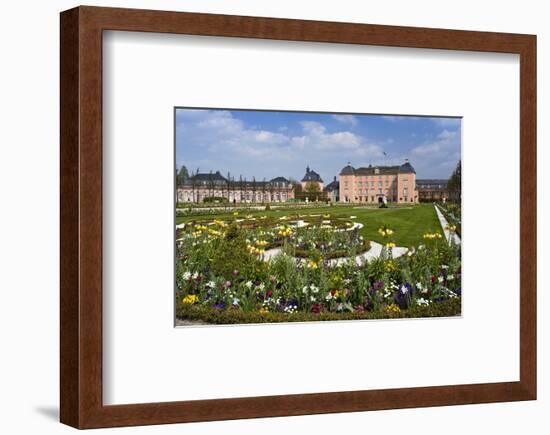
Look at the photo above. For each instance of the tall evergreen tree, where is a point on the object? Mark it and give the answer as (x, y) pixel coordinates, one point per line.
(454, 186)
(182, 175)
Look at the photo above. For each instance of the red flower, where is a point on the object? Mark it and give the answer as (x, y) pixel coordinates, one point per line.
(333, 292)
(269, 293)
(316, 308)
(433, 279)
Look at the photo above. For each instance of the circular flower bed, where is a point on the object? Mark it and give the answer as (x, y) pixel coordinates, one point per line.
(319, 236)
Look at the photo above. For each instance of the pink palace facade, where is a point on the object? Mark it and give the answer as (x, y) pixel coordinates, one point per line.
(377, 184)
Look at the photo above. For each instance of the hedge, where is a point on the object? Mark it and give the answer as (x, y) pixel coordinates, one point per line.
(448, 308)
(304, 253)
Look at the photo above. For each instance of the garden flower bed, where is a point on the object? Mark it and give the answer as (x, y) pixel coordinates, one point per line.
(449, 308)
(223, 277)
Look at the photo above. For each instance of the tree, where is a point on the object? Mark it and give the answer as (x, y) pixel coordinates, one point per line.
(194, 183)
(229, 185)
(312, 187)
(454, 185)
(254, 189)
(182, 176)
(264, 189)
(271, 190)
(210, 184)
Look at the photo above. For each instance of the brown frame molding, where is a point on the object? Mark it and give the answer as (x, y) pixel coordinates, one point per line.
(81, 216)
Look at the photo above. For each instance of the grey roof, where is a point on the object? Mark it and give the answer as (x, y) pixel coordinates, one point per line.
(381, 170)
(215, 176)
(333, 185)
(312, 176)
(279, 180)
(406, 168)
(348, 170)
(432, 183)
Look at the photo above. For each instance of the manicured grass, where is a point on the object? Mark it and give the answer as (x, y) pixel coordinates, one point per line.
(409, 223)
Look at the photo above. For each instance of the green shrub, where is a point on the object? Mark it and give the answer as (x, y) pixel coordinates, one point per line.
(232, 254)
(304, 253)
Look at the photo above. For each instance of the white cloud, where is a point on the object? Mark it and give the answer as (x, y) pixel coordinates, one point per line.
(346, 119)
(217, 140)
(316, 138)
(440, 154)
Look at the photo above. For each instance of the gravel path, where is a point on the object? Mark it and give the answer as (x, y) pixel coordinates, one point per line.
(443, 222)
(373, 252)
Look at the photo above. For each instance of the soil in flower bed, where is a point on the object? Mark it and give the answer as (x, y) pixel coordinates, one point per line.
(209, 315)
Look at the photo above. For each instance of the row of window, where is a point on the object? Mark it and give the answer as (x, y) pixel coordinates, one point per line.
(188, 196)
(366, 183)
(378, 199)
(391, 192)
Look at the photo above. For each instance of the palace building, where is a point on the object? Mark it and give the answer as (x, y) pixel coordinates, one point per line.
(215, 186)
(372, 184)
(430, 190)
(333, 190)
(312, 177)
(378, 184)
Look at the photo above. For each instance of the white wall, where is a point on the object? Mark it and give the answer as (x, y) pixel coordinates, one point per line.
(29, 217)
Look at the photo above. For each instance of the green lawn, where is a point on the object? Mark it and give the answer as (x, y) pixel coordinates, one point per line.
(409, 223)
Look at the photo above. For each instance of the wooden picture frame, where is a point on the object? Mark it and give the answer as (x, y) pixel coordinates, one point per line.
(81, 217)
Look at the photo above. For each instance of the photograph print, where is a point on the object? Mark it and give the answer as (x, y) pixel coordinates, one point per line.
(299, 216)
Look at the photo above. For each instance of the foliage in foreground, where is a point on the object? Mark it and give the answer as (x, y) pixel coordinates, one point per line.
(449, 308)
(222, 266)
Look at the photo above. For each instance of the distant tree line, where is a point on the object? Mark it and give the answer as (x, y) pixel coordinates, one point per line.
(454, 186)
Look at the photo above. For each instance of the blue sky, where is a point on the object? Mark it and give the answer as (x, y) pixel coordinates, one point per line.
(270, 144)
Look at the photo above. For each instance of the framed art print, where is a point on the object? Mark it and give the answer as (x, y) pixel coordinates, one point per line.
(267, 217)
